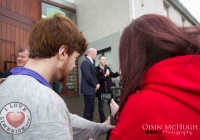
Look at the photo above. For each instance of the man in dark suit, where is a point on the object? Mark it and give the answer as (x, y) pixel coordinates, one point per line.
(89, 83)
(104, 74)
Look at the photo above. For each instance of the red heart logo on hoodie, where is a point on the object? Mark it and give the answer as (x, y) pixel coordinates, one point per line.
(15, 119)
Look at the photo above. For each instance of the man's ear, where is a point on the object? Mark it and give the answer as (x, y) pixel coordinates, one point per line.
(62, 52)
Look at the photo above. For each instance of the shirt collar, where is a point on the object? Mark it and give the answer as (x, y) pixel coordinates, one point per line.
(101, 67)
(29, 72)
(90, 59)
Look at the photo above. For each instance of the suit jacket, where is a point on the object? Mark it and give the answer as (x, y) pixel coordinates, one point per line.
(88, 80)
(101, 79)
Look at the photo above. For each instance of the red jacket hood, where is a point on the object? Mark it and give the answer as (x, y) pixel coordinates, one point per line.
(170, 99)
(177, 77)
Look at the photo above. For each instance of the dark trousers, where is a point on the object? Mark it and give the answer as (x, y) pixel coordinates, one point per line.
(89, 107)
(102, 115)
(101, 111)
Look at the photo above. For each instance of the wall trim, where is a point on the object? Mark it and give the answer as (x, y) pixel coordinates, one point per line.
(14, 22)
(59, 5)
(15, 16)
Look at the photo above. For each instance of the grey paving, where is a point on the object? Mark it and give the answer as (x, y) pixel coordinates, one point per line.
(75, 105)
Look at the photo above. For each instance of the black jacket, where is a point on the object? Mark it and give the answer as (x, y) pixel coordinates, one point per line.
(5, 74)
(101, 78)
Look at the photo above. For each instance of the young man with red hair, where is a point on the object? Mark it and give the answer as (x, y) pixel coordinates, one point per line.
(30, 109)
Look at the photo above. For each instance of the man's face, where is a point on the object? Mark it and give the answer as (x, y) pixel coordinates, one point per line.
(68, 65)
(22, 58)
(102, 61)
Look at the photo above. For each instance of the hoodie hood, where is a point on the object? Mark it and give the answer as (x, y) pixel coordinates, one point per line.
(168, 105)
(177, 78)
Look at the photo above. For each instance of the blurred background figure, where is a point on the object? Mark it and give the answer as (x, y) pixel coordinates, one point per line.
(22, 58)
(104, 75)
(89, 83)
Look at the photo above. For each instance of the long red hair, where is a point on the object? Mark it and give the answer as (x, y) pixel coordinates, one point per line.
(148, 40)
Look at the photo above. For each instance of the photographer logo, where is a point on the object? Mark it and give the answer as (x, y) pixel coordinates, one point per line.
(171, 129)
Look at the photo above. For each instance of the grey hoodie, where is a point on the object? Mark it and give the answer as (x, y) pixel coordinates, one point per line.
(31, 111)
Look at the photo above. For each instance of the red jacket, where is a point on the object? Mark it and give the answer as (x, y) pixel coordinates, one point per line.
(167, 107)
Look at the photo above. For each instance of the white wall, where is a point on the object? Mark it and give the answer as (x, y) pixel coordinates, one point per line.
(142, 7)
(99, 18)
(187, 23)
(175, 16)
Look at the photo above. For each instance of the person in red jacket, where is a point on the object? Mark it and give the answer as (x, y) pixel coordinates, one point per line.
(160, 95)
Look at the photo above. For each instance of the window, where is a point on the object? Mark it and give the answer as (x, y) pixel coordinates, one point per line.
(72, 80)
(166, 12)
(49, 10)
(183, 21)
(166, 8)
